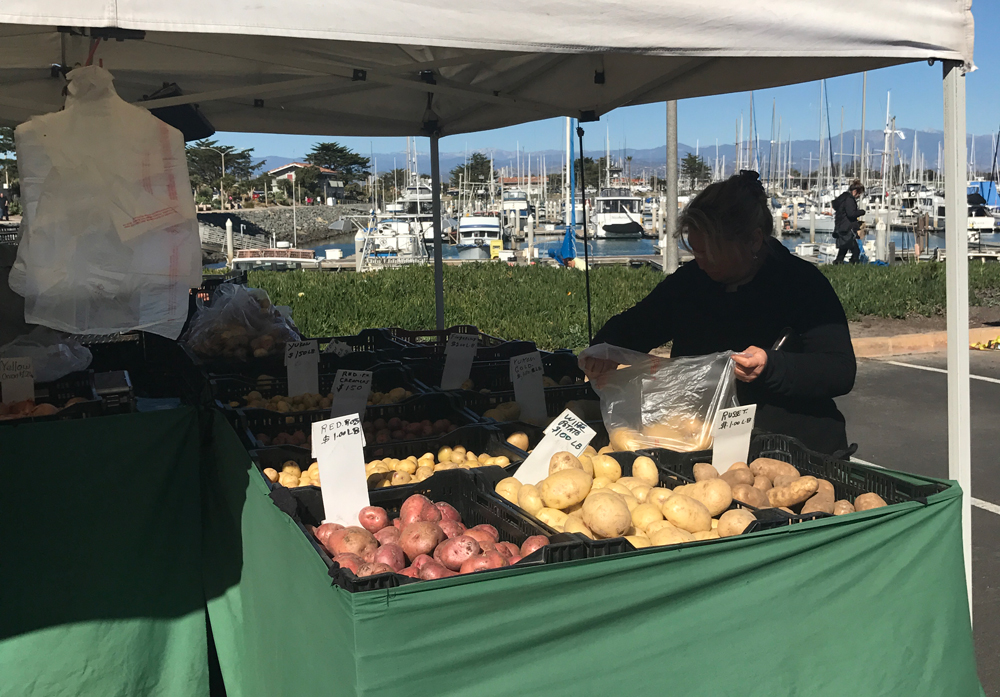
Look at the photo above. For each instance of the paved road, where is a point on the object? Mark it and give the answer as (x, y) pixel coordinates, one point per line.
(898, 414)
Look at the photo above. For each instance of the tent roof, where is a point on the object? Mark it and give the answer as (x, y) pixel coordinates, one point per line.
(331, 67)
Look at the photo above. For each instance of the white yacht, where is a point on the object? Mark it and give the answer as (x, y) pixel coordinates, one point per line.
(617, 214)
(476, 234)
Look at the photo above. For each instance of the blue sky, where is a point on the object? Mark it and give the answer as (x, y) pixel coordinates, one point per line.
(916, 102)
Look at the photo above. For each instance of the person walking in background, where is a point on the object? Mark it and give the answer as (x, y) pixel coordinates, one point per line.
(847, 223)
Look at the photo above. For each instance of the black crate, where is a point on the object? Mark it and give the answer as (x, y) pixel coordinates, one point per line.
(849, 479)
(457, 487)
(417, 408)
(74, 385)
(230, 390)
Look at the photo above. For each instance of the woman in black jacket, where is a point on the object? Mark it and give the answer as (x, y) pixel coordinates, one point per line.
(743, 292)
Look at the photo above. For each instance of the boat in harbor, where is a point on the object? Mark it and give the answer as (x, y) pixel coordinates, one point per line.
(477, 235)
(617, 213)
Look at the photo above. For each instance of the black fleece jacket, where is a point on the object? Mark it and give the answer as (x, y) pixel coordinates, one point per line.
(795, 392)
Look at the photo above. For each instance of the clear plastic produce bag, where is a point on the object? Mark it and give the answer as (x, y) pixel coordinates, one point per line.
(662, 402)
(110, 236)
(240, 323)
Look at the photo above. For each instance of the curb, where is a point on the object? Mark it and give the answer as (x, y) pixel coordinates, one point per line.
(929, 342)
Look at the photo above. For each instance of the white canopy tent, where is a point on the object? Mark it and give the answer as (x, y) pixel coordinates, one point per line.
(438, 68)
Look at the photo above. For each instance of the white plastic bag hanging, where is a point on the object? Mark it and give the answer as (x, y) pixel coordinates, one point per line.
(110, 236)
(662, 402)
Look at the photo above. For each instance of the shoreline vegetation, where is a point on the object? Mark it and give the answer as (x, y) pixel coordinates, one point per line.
(547, 305)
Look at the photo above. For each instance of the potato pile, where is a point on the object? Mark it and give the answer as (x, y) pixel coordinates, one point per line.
(291, 475)
(588, 495)
(22, 410)
(769, 483)
(427, 541)
(393, 472)
(308, 402)
(382, 431)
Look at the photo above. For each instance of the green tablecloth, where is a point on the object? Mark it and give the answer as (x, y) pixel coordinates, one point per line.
(870, 604)
(101, 590)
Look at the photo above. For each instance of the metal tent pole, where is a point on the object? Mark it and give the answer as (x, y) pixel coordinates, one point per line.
(436, 215)
(957, 271)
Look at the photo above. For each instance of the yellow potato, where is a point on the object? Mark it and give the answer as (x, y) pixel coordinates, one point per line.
(868, 501)
(705, 470)
(508, 488)
(687, 513)
(529, 499)
(575, 524)
(600, 483)
(606, 466)
(606, 515)
(519, 440)
(658, 495)
(734, 522)
(271, 474)
(638, 541)
(563, 461)
(644, 469)
(716, 494)
(641, 493)
(552, 518)
(670, 536)
(564, 488)
(644, 514)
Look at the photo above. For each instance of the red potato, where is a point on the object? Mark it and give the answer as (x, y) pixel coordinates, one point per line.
(418, 508)
(419, 562)
(374, 568)
(448, 512)
(392, 555)
(532, 543)
(508, 549)
(388, 535)
(410, 571)
(433, 570)
(349, 561)
(452, 528)
(353, 540)
(515, 559)
(373, 518)
(420, 538)
(454, 552)
(323, 532)
(490, 530)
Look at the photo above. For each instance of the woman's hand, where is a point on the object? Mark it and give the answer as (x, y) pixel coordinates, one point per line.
(595, 368)
(750, 364)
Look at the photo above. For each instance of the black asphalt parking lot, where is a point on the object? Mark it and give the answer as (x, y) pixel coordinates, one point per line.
(898, 414)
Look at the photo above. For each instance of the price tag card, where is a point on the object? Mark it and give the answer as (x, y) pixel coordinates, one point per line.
(17, 379)
(529, 392)
(458, 357)
(350, 392)
(568, 432)
(731, 435)
(302, 364)
(338, 446)
(338, 348)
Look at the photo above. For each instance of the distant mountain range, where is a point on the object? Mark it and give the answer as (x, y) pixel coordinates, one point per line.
(652, 160)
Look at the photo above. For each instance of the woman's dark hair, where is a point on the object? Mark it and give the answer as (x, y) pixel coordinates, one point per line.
(729, 211)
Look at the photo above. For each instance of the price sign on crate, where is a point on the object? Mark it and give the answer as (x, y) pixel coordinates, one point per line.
(731, 436)
(568, 432)
(302, 365)
(458, 357)
(529, 392)
(350, 392)
(338, 446)
(17, 379)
